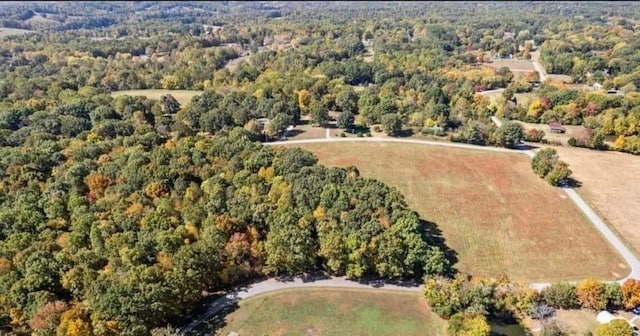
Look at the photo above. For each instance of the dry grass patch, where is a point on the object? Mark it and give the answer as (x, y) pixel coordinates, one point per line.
(301, 132)
(611, 184)
(182, 96)
(571, 131)
(512, 64)
(493, 211)
(13, 31)
(334, 312)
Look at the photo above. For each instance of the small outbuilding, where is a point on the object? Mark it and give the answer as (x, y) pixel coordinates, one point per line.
(555, 127)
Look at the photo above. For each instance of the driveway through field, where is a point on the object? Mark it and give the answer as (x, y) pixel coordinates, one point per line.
(271, 285)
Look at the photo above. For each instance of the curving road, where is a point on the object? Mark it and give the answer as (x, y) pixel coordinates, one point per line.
(271, 285)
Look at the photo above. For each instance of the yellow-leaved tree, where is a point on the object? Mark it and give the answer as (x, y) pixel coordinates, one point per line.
(590, 293)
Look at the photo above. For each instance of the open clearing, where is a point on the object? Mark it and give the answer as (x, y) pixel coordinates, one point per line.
(182, 96)
(611, 184)
(492, 210)
(577, 132)
(512, 64)
(334, 312)
(13, 31)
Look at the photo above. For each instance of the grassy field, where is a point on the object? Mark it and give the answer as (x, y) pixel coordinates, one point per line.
(610, 182)
(493, 211)
(182, 96)
(512, 64)
(13, 31)
(333, 312)
(571, 131)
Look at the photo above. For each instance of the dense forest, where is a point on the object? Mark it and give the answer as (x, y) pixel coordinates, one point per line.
(117, 213)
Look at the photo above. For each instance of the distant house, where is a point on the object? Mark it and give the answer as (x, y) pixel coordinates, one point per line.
(597, 86)
(555, 127)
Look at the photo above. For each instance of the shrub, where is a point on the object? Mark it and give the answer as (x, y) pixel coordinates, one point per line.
(617, 327)
(561, 295)
(533, 135)
(469, 324)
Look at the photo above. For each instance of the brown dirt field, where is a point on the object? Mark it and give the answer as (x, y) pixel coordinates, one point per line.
(492, 210)
(611, 184)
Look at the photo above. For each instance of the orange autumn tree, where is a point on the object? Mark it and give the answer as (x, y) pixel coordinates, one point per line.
(631, 293)
(97, 184)
(590, 294)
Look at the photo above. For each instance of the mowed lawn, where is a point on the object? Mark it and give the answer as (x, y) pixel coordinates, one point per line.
(611, 183)
(493, 211)
(182, 96)
(334, 312)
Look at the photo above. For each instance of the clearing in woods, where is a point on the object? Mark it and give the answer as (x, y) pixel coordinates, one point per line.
(333, 312)
(492, 210)
(182, 96)
(13, 31)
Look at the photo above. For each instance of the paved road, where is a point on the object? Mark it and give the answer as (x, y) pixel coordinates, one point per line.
(271, 285)
(274, 285)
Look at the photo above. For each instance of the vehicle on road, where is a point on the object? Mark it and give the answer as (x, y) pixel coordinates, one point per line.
(636, 310)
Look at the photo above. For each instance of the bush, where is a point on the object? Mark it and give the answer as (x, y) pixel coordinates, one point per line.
(377, 128)
(342, 135)
(468, 324)
(561, 295)
(617, 327)
(533, 135)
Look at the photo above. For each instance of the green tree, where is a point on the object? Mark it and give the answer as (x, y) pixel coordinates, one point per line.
(347, 100)
(319, 113)
(169, 104)
(510, 134)
(391, 124)
(346, 120)
(544, 161)
(558, 174)
(597, 140)
(560, 295)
